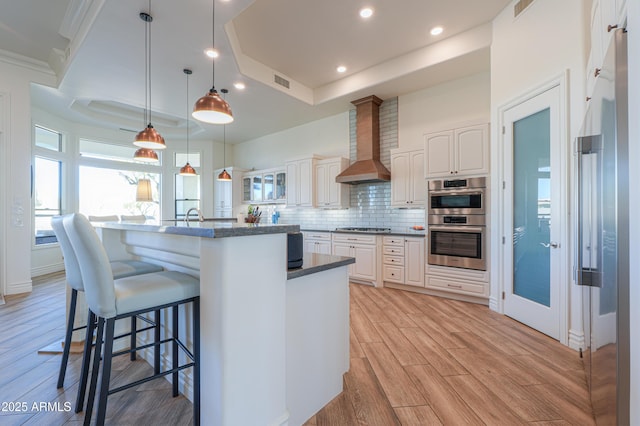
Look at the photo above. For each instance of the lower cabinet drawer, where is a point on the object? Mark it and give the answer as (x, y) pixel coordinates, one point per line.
(477, 289)
(393, 260)
(393, 250)
(393, 273)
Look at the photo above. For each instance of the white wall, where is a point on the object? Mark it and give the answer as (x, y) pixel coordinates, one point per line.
(443, 107)
(15, 188)
(328, 137)
(539, 45)
(633, 27)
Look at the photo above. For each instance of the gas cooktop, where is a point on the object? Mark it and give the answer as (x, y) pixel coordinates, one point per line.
(369, 230)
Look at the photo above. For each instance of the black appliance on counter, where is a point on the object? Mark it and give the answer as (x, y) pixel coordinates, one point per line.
(294, 250)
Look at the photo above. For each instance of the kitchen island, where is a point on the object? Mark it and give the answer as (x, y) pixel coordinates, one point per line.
(274, 343)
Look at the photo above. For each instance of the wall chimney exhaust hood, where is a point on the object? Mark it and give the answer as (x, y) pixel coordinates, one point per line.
(367, 167)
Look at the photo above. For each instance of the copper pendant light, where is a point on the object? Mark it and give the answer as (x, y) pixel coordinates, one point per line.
(146, 155)
(187, 170)
(224, 174)
(148, 137)
(211, 108)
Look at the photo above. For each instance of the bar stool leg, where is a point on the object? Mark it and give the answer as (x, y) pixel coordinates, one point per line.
(133, 342)
(106, 371)
(86, 360)
(174, 325)
(156, 348)
(196, 360)
(94, 373)
(67, 338)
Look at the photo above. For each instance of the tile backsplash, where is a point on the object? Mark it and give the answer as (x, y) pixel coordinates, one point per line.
(370, 207)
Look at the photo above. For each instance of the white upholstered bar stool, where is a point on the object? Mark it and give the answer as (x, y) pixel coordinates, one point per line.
(119, 269)
(111, 300)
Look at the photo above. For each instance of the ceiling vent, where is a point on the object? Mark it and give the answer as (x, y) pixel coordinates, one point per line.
(281, 81)
(520, 7)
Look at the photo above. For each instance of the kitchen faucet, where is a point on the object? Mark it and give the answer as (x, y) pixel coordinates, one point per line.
(186, 216)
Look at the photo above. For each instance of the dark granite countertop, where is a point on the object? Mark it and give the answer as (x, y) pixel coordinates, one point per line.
(207, 229)
(409, 233)
(315, 262)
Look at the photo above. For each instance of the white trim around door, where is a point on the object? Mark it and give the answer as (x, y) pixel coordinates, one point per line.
(502, 241)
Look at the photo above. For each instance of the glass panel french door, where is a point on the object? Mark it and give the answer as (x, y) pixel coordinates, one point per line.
(534, 206)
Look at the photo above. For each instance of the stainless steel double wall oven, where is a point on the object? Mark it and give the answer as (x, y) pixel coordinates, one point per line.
(457, 223)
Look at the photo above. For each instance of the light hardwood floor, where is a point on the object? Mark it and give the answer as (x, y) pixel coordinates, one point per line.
(415, 360)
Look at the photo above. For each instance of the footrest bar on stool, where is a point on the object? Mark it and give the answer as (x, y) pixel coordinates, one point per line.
(148, 379)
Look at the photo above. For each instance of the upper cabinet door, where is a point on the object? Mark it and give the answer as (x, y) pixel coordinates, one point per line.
(322, 196)
(418, 186)
(293, 185)
(472, 147)
(305, 176)
(459, 152)
(281, 186)
(439, 154)
(333, 187)
(400, 165)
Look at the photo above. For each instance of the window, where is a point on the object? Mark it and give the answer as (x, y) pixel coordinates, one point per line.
(105, 151)
(48, 139)
(47, 200)
(105, 192)
(47, 183)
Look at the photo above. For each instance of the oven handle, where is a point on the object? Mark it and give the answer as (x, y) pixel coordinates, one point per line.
(456, 192)
(467, 229)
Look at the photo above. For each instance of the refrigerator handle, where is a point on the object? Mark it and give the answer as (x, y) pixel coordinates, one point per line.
(585, 276)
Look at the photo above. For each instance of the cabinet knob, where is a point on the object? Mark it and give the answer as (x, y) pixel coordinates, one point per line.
(611, 27)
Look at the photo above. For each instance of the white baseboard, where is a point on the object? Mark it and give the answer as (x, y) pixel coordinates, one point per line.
(576, 340)
(17, 288)
(494, 304)
(48, 269)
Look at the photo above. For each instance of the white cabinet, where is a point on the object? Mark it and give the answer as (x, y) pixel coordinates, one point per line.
(300, 181)
(365, 250)
(226, 194)
(317, 242)
(458, 283)
(458, 152)
(329, 193)
(408, 186)
(606, 15)
(268, 186)
(403, 260)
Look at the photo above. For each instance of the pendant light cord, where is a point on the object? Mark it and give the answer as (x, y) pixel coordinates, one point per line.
(224, 134)
(213, 44)
(146, 72)
(187, 74)
(149, 55)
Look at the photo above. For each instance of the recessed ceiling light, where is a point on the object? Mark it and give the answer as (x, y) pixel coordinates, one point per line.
(341, 68)
(239, 85)
(436, 31)
(366, 12)
(212, 53)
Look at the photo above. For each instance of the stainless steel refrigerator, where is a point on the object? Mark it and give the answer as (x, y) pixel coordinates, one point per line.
(603, 237)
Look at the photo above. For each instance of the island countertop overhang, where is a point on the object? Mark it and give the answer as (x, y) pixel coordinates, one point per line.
(202, 229)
